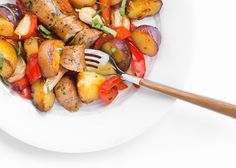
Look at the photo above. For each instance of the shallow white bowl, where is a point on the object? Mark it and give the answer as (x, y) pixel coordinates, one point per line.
(98, 127)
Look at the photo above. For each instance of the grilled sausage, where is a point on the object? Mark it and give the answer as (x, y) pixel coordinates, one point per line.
(87, 37)
(66, 94)
(67, 27)
(72, 58)
(47, 11)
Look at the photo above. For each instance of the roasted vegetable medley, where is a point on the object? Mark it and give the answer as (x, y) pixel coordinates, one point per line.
(43, 43)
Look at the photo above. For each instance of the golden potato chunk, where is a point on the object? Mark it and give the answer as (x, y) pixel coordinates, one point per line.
(138, 9)
(6, 28)
(88, 84)
(31, 46)
(41, 100)
(8, 59)
(49, 57)
(19, 72)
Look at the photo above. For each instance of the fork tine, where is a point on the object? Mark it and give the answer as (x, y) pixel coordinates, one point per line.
(91, 63)
(97, 58)
(89, 66)
(91, 59)
(97, 55)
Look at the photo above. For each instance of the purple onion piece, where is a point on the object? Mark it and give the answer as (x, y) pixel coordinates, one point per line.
(11, 12)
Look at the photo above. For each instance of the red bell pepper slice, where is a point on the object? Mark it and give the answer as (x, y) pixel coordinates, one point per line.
(122, 86)
(105, 5)
(32, 29)
(22, 87)
(26, 93)
(33, 71)
(109, 89)
(137, 58)
(20, 84)
(108, 96)
(122, 32)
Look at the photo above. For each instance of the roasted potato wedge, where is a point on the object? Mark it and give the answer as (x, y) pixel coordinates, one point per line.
(6, 28)
(147, 38)
(72, 58)
(138, 9)
(88, 84)
(119, 50)
(66, 94)
(31, 46)
(9, 58)
(49, 57)
(19, 73)
(41, 100)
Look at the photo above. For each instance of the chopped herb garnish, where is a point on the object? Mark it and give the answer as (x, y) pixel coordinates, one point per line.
(122, 8)
(30, 40)
(20, 47)
(109, 31)
(45, 32)
(49, 37)
(1, 60)
(97, 25)
(113, 50)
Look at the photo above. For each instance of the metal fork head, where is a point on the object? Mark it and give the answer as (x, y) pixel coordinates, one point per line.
(97, 58)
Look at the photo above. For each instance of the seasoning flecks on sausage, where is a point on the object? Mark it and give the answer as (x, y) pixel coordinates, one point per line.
(67, 27)
(72, 58)
(66, 94)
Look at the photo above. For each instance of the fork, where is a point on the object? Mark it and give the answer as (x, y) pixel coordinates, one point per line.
(96, 58)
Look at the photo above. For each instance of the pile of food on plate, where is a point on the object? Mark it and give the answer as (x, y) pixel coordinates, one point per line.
(43, 42)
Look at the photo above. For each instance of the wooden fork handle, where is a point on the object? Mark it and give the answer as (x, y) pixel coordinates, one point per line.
(209, 103)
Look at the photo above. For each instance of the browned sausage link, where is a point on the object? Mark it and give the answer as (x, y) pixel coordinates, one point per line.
(66, 94)
(72, 58)
(47, 11)
(68, 28)
(87, 37)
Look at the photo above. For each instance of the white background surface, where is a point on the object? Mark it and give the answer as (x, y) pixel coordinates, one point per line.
(188, 136)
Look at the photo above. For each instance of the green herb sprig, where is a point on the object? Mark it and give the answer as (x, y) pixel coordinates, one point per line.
(97, 25)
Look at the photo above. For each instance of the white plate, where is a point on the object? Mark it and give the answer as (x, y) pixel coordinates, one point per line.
(99, 127)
